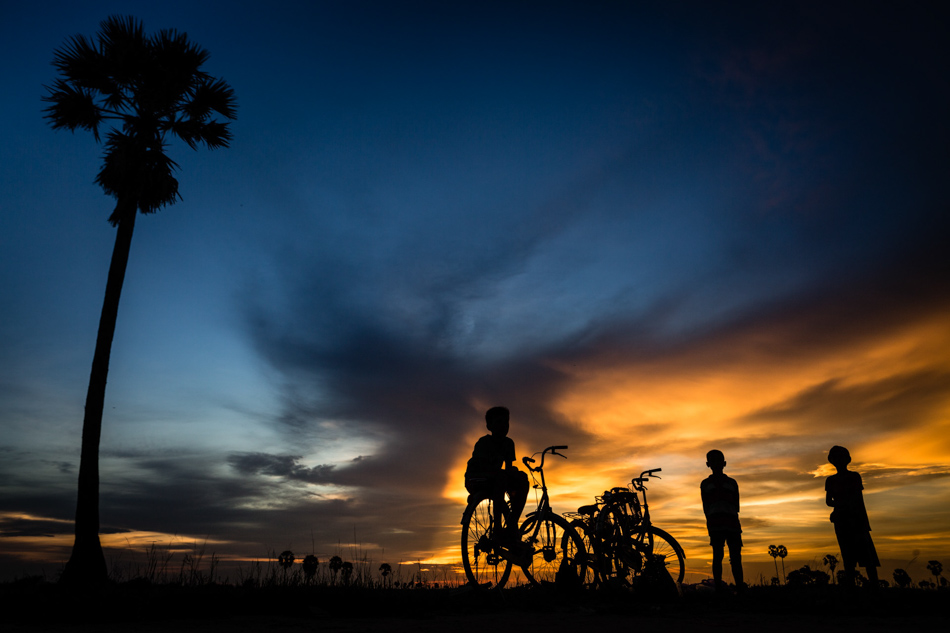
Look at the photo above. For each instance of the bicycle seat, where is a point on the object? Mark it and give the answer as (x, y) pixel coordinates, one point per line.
(589, 509)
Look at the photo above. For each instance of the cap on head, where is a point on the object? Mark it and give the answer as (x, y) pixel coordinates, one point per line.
(715, 457)
(496, 415)
(839, 456)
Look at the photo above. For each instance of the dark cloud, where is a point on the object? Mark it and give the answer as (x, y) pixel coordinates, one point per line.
(284, 466)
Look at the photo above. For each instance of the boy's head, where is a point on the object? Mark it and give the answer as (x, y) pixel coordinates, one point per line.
(839, 456)
(716, 460)
(496, 419)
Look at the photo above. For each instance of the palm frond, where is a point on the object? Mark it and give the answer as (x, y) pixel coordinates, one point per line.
(212, 95)
(72, 108)
(188, 130)
(124, 48)
(215, 134)
(139, 172)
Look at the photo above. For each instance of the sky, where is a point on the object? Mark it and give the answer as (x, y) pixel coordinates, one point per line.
(649, 229)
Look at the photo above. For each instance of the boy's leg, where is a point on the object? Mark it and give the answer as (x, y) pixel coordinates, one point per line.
(735, 560)
(718, 548)
(518, 492)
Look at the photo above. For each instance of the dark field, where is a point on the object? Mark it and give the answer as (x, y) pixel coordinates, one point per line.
(139, 606)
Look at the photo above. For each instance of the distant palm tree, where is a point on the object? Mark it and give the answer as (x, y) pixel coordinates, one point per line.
(335, 564)
(830, 561)
(773, 552)
(782, 553)
(310, 564)
(286, 559)
(144, 89)
(902, 578)
(936, 568)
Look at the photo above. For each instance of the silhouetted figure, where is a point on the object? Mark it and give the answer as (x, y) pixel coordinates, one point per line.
(843, 493)
(491, 470)
(721, 506)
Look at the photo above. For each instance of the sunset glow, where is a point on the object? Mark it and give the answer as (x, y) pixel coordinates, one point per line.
(650, 230)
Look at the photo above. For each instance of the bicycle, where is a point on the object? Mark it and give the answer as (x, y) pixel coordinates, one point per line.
(622, 539)
(548, 549)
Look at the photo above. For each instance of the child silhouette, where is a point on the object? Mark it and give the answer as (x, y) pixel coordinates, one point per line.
(721, 505)
(852, 527)
(491, 470)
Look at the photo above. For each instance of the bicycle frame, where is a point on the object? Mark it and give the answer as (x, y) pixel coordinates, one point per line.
(638, 484)
(544, 504)
(555, 554)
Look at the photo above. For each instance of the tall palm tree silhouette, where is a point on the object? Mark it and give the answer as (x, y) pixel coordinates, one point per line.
(145, 89)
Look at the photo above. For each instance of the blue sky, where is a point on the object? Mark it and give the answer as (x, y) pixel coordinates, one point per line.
(432, 208)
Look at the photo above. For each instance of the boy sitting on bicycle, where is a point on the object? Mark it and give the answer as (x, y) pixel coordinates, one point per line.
(721, 506)
(491, 471)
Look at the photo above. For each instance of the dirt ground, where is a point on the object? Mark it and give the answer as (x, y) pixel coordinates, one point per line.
(543, 622)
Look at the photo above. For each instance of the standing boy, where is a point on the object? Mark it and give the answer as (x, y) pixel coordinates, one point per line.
(721, 506)
(843, 493)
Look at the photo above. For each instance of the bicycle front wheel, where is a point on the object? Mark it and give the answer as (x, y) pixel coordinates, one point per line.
(663, 549)
(558, 554)
(482, 527)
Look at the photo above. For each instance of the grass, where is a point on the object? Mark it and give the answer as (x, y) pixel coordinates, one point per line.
(164, 583)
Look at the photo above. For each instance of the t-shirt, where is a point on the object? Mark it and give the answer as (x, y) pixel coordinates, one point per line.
(490, 455)
(721, 503)
(845, 490)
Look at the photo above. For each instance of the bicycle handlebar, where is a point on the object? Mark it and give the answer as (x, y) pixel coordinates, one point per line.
(638, 482)
(527, 461)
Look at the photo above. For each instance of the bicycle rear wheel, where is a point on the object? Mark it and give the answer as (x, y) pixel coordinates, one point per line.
(658, 546)
(620, 557)
(482, 525)
(558, 553)
(590, 578)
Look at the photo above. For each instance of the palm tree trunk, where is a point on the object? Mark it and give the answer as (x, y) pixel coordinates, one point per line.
(87, 563)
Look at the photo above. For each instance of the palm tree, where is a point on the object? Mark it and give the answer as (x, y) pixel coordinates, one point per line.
(936, 568)
(286, 559)
(336, 563)
(310, 564)
(145, 89)
(902, 578)
(782, 553)
(773, 552)
(830, 561)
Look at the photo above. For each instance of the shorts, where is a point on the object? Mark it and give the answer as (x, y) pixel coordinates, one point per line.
(721, 538)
